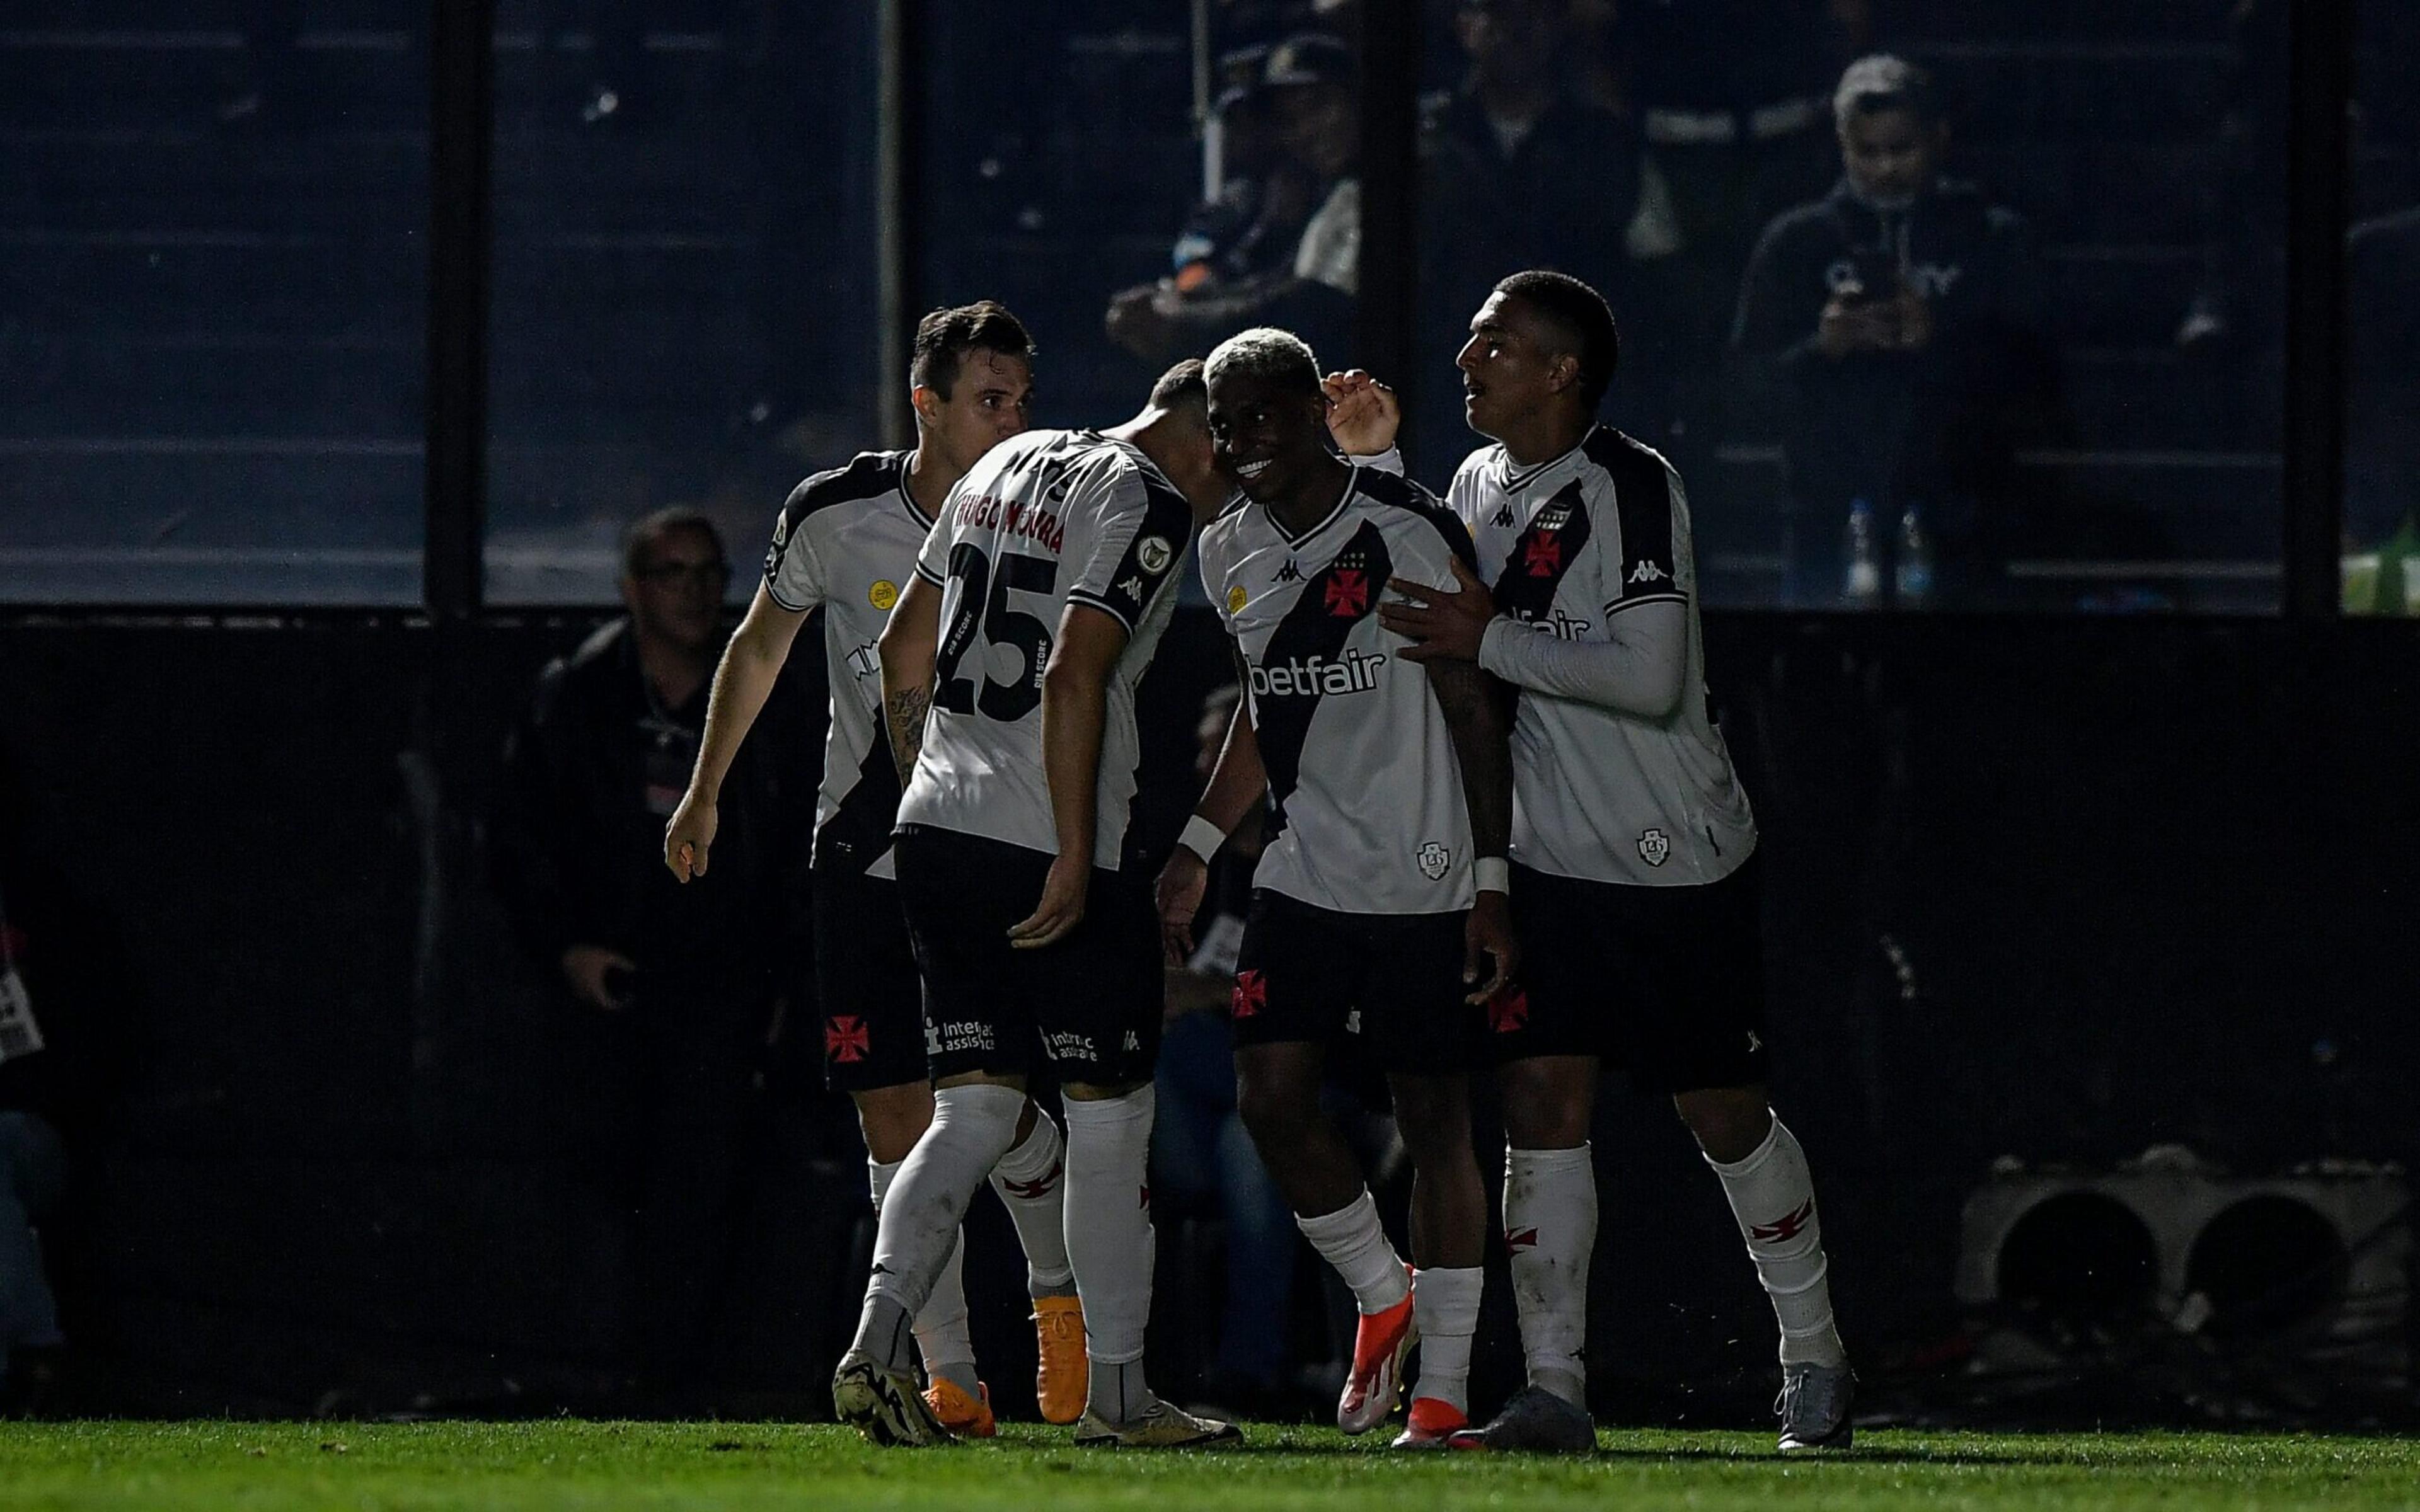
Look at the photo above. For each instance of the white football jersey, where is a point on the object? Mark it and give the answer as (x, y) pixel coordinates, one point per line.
(1051, 518)
(1567, 547)
(845, 541)
(1367, 814)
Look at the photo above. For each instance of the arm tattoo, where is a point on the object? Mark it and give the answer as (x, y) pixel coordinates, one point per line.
(904, 712)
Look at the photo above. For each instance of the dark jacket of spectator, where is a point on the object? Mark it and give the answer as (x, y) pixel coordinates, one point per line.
(593, 771)
(1935, 425)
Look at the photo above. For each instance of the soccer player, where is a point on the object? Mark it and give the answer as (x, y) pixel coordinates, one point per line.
(1008, 675)
(1381, 885)
(1634, 877)
(843, 543)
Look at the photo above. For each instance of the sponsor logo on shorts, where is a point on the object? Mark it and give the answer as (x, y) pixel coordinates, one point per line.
(1655, 847)
(1353, 1021)
(942, 1039)
(1509, 1010)
(1434, 859)
(847, 1039)
(1068, 1046)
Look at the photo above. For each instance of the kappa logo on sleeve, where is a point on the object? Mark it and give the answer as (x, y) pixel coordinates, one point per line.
(1647, 572)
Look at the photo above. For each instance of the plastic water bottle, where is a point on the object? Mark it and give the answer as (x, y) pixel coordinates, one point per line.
(1863, 582)
(1912, 573)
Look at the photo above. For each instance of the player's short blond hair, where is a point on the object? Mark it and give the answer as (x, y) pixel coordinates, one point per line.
(1267, 354)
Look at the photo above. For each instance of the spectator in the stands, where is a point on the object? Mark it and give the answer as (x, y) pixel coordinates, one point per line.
(1518, 171)
(694, 981)
(1732, 98)
(1304, 280)
(1901, 320)
(59, 995)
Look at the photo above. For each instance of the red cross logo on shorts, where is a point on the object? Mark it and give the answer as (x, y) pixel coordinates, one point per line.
(1786, 1228)
(1520, 1239)
(1544, 556)
(846, 1038)
(1252, 995)
(1348, 594)
(1509, 1010)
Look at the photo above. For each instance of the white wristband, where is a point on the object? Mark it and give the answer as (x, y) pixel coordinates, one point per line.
(1202, 837)
(1492, 874)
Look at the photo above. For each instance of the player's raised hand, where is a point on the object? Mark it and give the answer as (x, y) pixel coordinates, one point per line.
(688, 834)
(1062, 907)
(1363, 414)
(1438, 623)
(1489, 933)
(1182, 883)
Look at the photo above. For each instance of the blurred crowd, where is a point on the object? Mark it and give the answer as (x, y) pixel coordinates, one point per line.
(1795, 254)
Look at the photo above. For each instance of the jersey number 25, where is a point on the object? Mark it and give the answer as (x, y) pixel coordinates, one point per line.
(999, 625)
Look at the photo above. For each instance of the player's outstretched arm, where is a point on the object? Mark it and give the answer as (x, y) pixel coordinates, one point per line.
(1638, 672)
(1474, 713)
(1075, 706)
(742, 682)
(1237, 783)
(909, 639)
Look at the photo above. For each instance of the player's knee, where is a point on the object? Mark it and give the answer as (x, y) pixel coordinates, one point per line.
(1433, 1113)
(1277, 1111)
(1728, 1122)
(1544, 1111)
(893, 1118)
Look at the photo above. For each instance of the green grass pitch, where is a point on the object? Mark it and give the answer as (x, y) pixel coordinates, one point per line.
(599, 1466)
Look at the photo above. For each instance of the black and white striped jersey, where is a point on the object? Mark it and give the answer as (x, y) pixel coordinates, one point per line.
(1049, 518)
(1365, 802)
(1569, 546)
(845, 541)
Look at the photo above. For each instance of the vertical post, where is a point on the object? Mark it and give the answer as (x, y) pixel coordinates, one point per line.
(898, 194)
(1384, 338)
(2318, 198)
(461, 120)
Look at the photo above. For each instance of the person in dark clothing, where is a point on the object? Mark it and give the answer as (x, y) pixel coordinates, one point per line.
(1902, 319)
(697, 976)
(58, 997)
(1516, 172)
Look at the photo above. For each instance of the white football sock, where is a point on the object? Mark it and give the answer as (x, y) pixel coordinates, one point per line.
(1109, 1242)
(1032, 1183)
(1351, 1240)
(918, 1233)
(1446, 1305)
(1773, 1199)
(1550, 1232)
(942, 1336)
